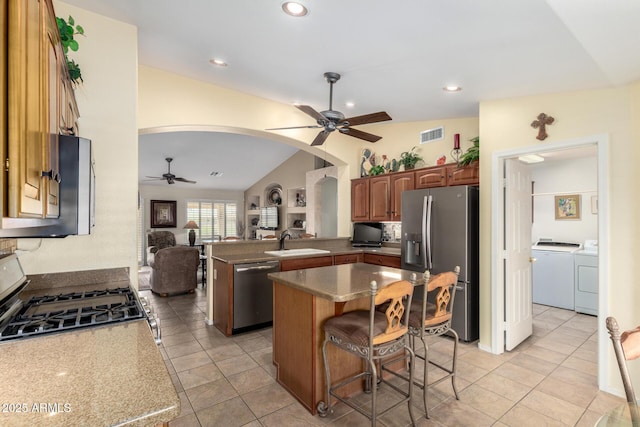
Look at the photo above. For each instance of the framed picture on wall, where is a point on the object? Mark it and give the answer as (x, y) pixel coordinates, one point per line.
(163, 214)
(567, 206)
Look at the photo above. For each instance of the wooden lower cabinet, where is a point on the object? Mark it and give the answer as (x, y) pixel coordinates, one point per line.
(384, 260)
(298, 317)
(348, 259)
(300, 263)
(223, 296)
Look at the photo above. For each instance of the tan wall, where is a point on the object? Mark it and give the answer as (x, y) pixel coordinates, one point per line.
(505, 124)
(181, 195)
(107, 101)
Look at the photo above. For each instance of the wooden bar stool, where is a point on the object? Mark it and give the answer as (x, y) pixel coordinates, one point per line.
(372, 335)
(431, 317)
(626, 347)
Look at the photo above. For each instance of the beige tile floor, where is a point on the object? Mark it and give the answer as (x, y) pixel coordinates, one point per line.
(550, 379)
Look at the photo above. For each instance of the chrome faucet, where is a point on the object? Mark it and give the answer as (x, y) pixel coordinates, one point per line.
(283, 236)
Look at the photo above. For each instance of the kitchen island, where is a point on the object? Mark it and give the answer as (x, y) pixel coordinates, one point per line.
(302, 301)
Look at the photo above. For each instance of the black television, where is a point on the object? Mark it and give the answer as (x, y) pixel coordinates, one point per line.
(367, 234)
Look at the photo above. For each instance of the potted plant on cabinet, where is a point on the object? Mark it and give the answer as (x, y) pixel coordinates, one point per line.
(472, 154)
(409, 159)
(68, 29)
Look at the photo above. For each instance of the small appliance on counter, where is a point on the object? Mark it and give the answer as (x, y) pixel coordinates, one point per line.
(367, 235)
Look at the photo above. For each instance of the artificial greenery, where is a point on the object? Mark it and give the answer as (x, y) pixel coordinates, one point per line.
(472, 154)
(409, 159)
(377, 170)
(68, 30)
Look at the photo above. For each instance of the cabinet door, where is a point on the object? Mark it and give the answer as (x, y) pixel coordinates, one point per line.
(465, 175)
(300, 263)
(380, 209)
(347, 259)
(431, 177)
(399, 183)
(384, 260)
(27, 121)
(360, 199)
(52, 63)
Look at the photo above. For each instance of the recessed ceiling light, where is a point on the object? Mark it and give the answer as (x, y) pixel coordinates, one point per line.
(452, 88)
(218, 62)
(216, 174)
(531, 158)
(350, 104)
(293, 8)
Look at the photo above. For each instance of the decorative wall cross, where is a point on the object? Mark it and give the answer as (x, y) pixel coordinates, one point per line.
(541, 125)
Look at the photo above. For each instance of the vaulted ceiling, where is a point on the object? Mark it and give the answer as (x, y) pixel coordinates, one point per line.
(393, 55)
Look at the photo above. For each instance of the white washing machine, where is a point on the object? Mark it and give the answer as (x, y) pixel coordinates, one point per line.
(553, 274)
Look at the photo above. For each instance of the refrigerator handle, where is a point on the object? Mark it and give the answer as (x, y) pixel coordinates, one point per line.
(426, 231)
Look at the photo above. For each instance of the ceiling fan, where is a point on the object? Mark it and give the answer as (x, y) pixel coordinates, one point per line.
(331, 120)
(169, 177)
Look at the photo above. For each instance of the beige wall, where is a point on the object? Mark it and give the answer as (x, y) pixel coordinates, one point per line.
(181, 195)
(505, 124)
(107, 101)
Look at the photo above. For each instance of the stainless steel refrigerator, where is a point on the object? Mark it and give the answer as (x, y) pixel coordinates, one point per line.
(440, 229)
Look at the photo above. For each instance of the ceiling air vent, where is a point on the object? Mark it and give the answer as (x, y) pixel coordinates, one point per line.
(431, 135)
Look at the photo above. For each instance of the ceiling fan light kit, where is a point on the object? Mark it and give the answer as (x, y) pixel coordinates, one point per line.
(331, 120)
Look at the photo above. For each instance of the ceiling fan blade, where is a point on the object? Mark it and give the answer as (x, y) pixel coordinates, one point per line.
(153, 178)
(322, 136)
(359, 134)
(310, 111)
(183, 180)
(296, 127)
(380, 116)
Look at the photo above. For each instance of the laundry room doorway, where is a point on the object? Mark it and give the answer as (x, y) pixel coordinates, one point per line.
(509, 295)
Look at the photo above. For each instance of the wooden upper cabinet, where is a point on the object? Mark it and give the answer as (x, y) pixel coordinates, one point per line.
(27, 121)
(431, 177)
(55, 66)
(35, 74)
(360, 199)
(380, 206)
(400, 182)
(379, 198)
(466, 175)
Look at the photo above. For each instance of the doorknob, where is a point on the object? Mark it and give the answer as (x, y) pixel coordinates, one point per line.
(532, 259)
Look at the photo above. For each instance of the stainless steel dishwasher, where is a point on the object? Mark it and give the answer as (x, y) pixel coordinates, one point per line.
(253, 295)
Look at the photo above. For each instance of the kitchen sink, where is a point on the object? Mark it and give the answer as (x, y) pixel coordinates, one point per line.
(297, 252)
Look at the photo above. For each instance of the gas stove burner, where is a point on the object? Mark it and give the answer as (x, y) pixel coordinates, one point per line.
(53, 313)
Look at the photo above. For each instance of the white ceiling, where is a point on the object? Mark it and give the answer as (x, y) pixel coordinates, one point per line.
(197, 154)
(393, 56)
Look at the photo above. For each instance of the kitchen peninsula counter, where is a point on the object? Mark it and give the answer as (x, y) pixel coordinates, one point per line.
(241, 258)
(303, 300)
(103, 375)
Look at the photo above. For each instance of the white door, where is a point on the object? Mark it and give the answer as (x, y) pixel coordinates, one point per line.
(517, 247)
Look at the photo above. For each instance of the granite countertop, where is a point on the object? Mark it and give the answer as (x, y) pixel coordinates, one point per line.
(103, 375)
(262, 257)
(341, 283)
(106, 375)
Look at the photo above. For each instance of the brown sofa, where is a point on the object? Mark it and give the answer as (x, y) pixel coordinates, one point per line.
(174, 270)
